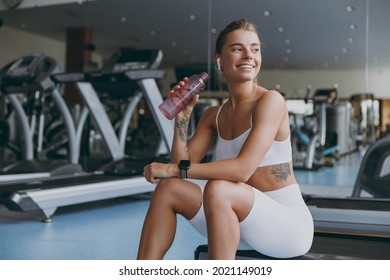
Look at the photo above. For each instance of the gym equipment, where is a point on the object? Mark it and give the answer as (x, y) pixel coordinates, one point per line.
(313, 146)
(351, 227)
(46, 195)
(358, 225)
(374, 172)
(357, 228)
(339, 128)
(364, 117)
(4, 126)
(201, 253)
(120, 102)
(359, 232)
(335, 240)
(308, 138)
(30, 76)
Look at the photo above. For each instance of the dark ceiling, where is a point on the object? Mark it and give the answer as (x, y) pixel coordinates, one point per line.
(300, 34)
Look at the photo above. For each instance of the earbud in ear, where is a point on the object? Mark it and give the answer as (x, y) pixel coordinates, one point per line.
(219, 64)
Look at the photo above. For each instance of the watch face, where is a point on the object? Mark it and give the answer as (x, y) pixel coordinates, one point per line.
(184, 164)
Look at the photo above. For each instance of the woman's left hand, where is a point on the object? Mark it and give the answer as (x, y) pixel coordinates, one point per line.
(155, 171)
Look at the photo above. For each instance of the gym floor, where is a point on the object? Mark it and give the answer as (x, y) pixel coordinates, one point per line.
(110, 230)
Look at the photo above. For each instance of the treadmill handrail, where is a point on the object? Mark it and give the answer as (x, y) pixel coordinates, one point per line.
(353, 203)
(131, 74)
(103, 122)
(145, 74)
(68, 77)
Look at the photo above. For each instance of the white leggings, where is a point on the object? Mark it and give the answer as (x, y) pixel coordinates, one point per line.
(279, 225)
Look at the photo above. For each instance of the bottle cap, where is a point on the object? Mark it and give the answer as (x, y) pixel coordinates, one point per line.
(204, 76)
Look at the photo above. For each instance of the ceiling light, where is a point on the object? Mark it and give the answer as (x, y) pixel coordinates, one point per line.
(185, 52)
(287, 41)
(336, 58)
(352, 27)
(344, 50)
(351, 40)
(289, 51)
(192, 17)
(173, 43)
(123, 19)
(153, 33)
(213, 30)
(350, 8)
(267, 13)
(281, 29)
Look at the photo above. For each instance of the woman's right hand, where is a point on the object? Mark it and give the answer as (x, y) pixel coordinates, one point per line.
(187, 111)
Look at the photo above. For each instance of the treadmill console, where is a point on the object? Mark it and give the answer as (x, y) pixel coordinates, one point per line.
(25, 68)
(27, 73)
(133, 60)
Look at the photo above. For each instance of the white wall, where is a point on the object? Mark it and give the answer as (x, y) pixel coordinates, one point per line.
(15, 43)
(349, 82)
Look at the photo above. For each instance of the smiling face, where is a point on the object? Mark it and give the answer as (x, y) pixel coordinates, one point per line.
(240, 57)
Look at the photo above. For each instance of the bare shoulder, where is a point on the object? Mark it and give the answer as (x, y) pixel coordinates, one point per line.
(271, 95)
(270, 99)
(209, 115)
(210, 111)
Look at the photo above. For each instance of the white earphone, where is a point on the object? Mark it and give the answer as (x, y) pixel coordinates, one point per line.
(219, 63)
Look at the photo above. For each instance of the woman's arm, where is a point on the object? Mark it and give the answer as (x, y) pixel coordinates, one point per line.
(268, 116)
(193, 149)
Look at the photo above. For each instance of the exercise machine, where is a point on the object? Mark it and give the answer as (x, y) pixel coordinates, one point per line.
(122, 101)
(46, 195)
(355, 227)
(345, 228)
(365, 117)
(314, 144)
(30, 76)
(374, 172)
(358, 225)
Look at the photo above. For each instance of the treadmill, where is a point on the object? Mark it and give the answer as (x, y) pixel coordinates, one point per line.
(123, 176)
(355, 227)
(30, 76)
(351, 227)
(360, 229)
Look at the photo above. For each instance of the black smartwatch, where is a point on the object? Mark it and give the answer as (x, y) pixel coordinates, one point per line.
(184, 165)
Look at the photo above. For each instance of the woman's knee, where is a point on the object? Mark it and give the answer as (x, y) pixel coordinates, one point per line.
(215, 192)
(165, 189)
(224, 195)
(181, 196)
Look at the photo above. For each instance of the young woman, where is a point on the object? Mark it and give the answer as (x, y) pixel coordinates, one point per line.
(249, 198)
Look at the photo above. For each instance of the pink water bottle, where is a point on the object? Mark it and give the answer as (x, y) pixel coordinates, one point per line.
(179, 99)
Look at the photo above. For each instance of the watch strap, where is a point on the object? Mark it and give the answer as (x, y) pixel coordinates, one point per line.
(184, 165)
(183, 173)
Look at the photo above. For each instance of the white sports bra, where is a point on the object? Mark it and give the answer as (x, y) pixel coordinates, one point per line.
(279, 152)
